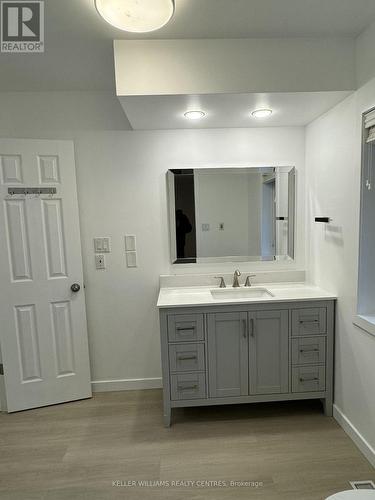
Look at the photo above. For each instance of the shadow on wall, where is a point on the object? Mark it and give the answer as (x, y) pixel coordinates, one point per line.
(334, 234)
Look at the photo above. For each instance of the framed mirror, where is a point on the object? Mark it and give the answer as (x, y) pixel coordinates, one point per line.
(231, 214)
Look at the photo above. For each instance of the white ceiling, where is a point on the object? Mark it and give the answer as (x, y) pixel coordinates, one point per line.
(267, 18)
(228, 110)
(79, 52)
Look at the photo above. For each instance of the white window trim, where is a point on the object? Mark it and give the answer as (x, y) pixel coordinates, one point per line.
(365, 322)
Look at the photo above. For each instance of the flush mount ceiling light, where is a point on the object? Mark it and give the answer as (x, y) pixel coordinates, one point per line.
(262, 113)
(136, 16)
(194, 115)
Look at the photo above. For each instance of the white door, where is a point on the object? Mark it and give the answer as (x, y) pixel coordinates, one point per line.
(43, 331)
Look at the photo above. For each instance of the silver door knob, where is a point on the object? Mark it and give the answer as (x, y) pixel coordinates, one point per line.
(75, 287)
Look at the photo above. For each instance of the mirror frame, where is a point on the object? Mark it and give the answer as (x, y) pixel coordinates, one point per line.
(292, 215)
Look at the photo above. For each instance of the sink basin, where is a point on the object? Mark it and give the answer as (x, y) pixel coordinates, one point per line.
(253, 292)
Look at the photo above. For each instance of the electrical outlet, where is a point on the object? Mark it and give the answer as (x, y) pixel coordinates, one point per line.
(99, 261)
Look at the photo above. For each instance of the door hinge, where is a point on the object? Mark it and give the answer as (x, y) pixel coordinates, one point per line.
(1, 369)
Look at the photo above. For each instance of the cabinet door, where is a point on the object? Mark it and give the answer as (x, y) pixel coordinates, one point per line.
(268, 352)
(227, 354)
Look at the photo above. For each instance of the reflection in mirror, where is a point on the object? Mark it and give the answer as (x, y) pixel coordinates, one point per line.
(231, 214)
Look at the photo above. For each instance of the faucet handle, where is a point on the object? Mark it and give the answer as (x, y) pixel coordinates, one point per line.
(222, 282)
(248, 282)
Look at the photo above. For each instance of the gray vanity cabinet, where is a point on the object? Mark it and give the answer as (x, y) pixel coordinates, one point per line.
(247, 353)
(226, 354)
(227, 346)
(268, 352)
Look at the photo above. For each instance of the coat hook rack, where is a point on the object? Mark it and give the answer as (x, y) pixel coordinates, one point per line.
(31, 190)
(325, 220)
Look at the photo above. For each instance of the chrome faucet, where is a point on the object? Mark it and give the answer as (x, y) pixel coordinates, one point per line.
(222, 282)
(248, 282)
(236, 275)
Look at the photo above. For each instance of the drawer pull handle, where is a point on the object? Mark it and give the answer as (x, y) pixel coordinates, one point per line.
(182, 329)
(308, 379)
(181, 388)
(309, 350)
(252, 327)
(186, 358)
(309, 321)
(244, 323)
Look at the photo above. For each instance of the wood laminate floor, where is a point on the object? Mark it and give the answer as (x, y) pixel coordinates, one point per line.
(79, 450)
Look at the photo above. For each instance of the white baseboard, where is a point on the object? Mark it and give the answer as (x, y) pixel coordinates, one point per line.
(129, 384)
(3, 400)
(355, 435)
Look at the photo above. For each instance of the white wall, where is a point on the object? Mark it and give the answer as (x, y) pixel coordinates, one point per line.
(232, 198)
(365, 56)
(209, 66)
(333, 163)
(282, 201)
(122, 189)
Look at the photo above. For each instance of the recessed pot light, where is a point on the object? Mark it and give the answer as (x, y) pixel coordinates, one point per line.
(262, 113)
(136, 16)
(194, 115)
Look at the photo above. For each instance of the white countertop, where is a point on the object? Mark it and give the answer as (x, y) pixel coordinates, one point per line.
(201, 295)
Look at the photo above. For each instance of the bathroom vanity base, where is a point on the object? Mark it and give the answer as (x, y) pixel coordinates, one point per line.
(327, 407)
(247, 353)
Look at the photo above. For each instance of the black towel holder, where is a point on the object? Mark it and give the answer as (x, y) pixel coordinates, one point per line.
(325, 220)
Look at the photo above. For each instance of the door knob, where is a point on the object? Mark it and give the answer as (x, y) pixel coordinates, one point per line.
(75, 287)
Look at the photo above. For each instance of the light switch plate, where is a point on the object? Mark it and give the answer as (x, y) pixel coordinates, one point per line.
(102, 245)
(106, 245)
(100, 262)
(131, 259)
(130, 243)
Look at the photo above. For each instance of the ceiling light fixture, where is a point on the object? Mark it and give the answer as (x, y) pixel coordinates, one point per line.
(136, 16)
(262, 113)
(194, 115)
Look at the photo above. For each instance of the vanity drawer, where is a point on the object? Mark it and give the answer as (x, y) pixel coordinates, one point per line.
(309, 321)
(308, 379)
(185, 327)
(306, 351)
(186, 357)
(188, 386)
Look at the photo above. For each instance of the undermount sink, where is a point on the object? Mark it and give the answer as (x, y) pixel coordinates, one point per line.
(241, 293)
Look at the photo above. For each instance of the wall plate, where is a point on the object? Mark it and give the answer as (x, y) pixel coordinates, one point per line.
(131, 259)
(130, 243)
(102, 245)
(362, 485)
(99, 262)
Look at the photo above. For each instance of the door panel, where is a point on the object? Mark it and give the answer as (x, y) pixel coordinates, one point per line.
(18, 239)
(28, 343)
(227, 354)
(43, 339)
(62, 335)
(268, 352)
(11, 169)
(54, 238)
(49, 171)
